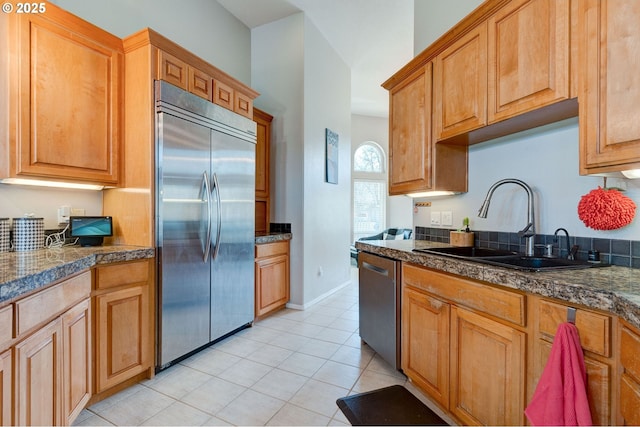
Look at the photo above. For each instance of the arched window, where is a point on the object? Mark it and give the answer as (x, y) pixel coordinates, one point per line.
(369, 190)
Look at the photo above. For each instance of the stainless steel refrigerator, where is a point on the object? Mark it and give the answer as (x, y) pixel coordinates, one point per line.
(205, 196)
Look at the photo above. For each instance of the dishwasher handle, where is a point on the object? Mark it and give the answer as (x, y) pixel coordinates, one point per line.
(378, 265)
(375, 268)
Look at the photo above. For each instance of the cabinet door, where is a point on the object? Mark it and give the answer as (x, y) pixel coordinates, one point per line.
(410, 133)
(272, 283)
(200, 83)
(263, 148)
(76, 334)
(38, 383)
(528, 57)
(6, 388)
(122, 336)
(425, 343)
(173, 70)
(609, 90)
(66, 96)
(460, 85)
(223, 95)
(487, 370)
(598, 382)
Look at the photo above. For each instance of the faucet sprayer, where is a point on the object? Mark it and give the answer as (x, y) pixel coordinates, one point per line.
(529, 231)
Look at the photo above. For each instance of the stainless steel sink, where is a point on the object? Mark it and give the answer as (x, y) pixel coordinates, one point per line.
(509, 259)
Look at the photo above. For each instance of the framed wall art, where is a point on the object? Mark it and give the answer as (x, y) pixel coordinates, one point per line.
(331, 156)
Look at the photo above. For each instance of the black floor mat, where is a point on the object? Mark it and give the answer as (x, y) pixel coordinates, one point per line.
(389, 406)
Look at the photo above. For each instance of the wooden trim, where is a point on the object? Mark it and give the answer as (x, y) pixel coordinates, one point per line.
(476, 17)
(149, 36)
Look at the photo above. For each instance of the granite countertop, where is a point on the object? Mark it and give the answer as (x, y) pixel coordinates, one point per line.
(262, 238)
(23, 272)
(613, 289)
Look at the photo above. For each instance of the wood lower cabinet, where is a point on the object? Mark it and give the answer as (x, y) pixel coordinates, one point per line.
(65, 91)
(629, 383)
(425, 325)
(52, 357)
(77, 358)
(459, 351)
(487, 370)
(272, 277)
(6, 387)
(609, 86)
(595, 331)
(38, 371)
(124, 331)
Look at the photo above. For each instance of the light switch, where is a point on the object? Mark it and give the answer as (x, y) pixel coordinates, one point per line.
(447, 218)
(435, 218)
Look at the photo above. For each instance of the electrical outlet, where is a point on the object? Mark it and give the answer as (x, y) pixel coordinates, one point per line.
(447, 218)
(63, 214)
(435, 218)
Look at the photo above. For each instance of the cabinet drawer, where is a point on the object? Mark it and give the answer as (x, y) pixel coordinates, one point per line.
(6, 325)
(50, 302)
(629, 351)
(122, 274)
(594, 328)
(500, 303)
(272, 249)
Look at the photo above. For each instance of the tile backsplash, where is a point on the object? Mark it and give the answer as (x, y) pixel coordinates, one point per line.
(625, 253)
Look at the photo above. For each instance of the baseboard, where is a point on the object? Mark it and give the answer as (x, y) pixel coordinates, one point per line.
(320, 298)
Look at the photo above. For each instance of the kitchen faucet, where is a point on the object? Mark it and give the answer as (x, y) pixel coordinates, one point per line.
(529, 231)
(571, 250)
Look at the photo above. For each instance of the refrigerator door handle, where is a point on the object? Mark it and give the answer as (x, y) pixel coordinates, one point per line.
(207, 191)
(216, 187)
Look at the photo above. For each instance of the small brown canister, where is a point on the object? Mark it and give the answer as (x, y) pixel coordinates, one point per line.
(5, 228)
(28, 234)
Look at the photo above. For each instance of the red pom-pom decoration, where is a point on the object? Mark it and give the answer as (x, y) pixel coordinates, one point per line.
(606, 209)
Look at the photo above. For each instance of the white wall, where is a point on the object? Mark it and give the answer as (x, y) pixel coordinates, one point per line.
(204, 27)
(367, 128)
(546, 158)
(306, 87)
(432, 19)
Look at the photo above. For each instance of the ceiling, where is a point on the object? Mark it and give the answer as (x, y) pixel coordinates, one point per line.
(373, 37)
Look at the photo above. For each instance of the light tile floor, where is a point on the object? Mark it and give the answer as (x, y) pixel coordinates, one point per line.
(287, 369)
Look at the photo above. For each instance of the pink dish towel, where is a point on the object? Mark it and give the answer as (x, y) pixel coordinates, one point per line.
(560, 398)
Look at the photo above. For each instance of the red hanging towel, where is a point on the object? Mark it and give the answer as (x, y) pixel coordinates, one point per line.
(560, 398)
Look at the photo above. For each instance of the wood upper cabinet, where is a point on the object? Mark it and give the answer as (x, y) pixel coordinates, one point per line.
(179, 73)
(272, 277)
(529, 57)
(65, 92)
(187, 71)
(460, 85)
(410, 134)
(595, 331)
(609, 89)
(124, 331)
(263, 157)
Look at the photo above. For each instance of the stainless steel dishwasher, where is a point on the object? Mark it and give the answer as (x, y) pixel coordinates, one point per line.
(379, 287)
